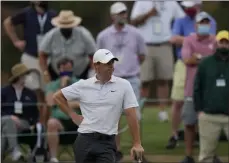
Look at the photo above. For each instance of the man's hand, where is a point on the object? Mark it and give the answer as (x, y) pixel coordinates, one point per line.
(194, 60)
(152, 12)
(200, 113)
(16, 120)
(77, 119)
(137, 152)
(20, 44)
(142, 18)
(64, 81)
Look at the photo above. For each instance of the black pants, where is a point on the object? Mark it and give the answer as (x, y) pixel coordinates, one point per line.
(95, 148)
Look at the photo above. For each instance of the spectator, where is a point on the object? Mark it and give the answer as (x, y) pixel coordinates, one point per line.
(211, 90)
(16, 114)
(182, 27)
(195, 47)
(67, 39)
(154, 20)
(126, 43)
(36, 21)
(59, 121)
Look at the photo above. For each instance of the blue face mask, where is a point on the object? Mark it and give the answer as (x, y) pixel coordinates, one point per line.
(203, 29)
(66, 73)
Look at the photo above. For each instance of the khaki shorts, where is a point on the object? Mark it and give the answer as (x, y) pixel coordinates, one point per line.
(33, 80)
(158, 63)
(178, 81)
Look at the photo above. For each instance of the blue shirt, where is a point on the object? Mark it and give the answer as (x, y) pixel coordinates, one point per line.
(185, 26)
(28, 18)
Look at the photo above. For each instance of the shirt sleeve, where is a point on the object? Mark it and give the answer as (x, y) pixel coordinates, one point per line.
(178, 11)
(136, 10)
(142, 50)
(72, 92)
(90, 45)
(46, 42)
(177, 30)
(130, 100)
(213, 27)
(186, 51)
(197, 89)
(19, 18)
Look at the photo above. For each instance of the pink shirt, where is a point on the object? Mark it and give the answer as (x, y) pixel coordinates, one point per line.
(190, 46)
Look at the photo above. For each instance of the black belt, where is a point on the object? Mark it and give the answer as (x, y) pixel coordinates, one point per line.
(98, 136)
(157, 44)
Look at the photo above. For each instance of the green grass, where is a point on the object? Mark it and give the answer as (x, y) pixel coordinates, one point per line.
(154, 139)
(155, 136)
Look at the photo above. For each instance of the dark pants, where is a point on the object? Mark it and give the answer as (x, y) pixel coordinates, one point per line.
(95, 148)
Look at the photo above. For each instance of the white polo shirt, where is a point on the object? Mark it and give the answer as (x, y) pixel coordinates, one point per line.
(101, 104)
(157, 29)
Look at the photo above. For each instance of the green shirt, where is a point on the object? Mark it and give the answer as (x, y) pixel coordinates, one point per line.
(55, 110)
(211, 87)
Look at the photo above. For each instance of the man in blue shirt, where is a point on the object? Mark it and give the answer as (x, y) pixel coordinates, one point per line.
(182, 27)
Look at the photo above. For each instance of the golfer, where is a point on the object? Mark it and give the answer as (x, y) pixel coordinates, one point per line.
(102, 100)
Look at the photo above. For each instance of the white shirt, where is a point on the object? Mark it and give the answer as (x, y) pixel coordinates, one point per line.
(157, 29)
(101, 104)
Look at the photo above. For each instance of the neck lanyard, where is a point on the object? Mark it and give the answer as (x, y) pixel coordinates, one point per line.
(18, 93)
(41, 21)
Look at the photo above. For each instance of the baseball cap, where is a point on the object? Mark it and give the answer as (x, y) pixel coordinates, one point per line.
(190, 3)
(222, 35)
(103, 56)
(117, 8)
(201, 16)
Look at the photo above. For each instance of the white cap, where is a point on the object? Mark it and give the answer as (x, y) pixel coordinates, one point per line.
(103, 56)
(117, 8)
(190, 3)
(201, 16)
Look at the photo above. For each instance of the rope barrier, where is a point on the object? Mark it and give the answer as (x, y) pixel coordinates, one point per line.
(43, 134)
(124, 129)
(150, 100)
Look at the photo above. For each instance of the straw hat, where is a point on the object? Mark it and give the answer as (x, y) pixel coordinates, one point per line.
(66, 19)
(18, 70)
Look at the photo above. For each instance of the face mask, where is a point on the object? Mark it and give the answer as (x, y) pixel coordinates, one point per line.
(121, 21)
(191, 12)
(66, 32)
(203, 29)
(223, 52)
(66, 73)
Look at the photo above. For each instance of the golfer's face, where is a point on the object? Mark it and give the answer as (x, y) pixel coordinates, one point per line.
(106, 70)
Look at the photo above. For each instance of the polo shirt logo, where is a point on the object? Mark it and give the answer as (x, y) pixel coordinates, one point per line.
(113, 91)
(107, 53)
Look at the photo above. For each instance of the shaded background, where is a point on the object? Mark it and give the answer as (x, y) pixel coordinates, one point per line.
(95, 16)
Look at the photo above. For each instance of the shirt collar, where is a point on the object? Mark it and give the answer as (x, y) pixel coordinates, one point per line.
(112, 80)
(113, 29)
